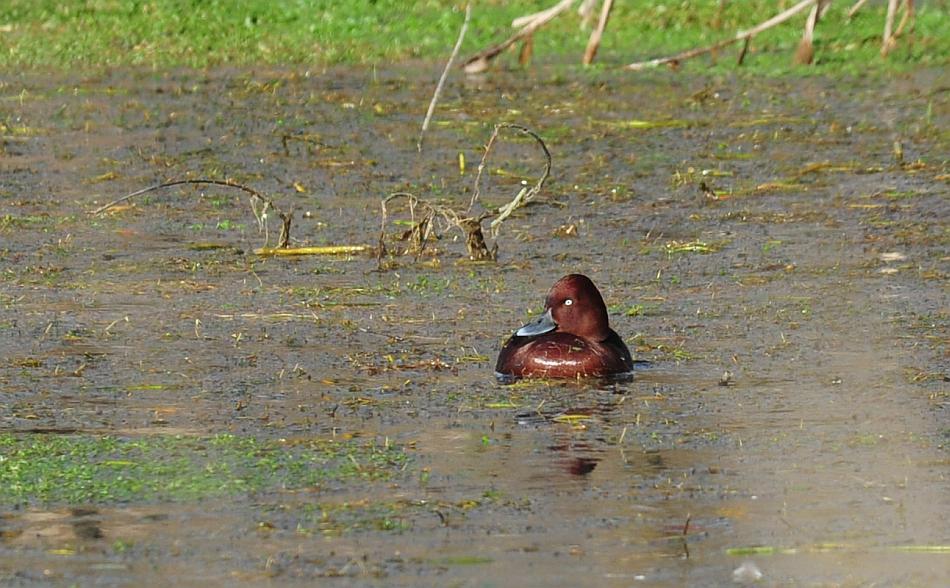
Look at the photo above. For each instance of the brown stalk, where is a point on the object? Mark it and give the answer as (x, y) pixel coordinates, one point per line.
(740, 36)
(908, 6)
(594, 43)
(445, 74)
(908, 15)
(888, 42)
(805, 54)
(529, 24)
(527, 50)
(857, 6)
(744, 50)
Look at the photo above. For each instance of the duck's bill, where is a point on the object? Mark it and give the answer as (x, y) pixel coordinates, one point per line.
(542, 324)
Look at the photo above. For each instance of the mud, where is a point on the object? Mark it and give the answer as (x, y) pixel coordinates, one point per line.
(812, 268)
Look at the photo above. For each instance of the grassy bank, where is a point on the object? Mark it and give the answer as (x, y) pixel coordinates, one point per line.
(192, 33)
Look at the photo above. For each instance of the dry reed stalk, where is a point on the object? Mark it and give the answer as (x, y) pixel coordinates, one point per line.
(529, 24)
(857, 6)
(908, 15)
(888, 41)
(445, 74)
(586, 12)
(594, 43)
(740, 36)
(805, 54)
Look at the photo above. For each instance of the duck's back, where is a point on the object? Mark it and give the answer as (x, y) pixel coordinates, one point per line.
(563, 355)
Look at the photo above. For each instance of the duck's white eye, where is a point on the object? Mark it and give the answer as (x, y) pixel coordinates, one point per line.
(568, 302)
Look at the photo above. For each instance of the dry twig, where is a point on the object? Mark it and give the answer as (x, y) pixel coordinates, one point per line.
(424, 215)
(890, 38)
(740, 36)
(805, 53)
(528, 25)
(594, 43)
(525, 195)
(908, 15)
(445, 74)
(260, 205)
(586, 11)
(857, 6)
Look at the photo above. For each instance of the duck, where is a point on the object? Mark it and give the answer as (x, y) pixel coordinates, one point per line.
(571, 338)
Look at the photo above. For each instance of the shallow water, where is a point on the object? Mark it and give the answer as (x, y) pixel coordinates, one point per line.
(823, 295)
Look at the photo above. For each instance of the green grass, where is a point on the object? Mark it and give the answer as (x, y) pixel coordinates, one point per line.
(83, 468)
(203, 33)
(350, 517)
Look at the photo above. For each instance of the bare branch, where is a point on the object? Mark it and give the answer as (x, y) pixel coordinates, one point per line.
(479, 61)
(594, 43)
(525, 195)
(586, 11)
(227, 183)
(547, 13)
(805, 53)
(445, 74)
(740, 36)
(260, 204)
(890, 39)
(857, 6)
(776, 20)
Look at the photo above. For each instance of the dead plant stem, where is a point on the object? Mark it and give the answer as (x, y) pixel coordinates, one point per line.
(740, 36)
(445, 74)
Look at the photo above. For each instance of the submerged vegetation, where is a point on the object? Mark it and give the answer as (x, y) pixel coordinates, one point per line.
(170, 33)
(78, 469)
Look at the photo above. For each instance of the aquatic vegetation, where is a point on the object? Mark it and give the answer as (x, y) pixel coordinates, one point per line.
(37, 468)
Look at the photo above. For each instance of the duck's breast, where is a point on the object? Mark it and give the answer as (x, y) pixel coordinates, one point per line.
(559, 355)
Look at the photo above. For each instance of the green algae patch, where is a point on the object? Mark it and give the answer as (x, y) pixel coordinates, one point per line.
(38, 468)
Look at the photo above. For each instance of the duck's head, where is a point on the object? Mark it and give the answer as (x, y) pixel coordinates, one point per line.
(574, 305)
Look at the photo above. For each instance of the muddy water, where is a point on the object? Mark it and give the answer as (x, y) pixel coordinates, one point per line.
(813, 270)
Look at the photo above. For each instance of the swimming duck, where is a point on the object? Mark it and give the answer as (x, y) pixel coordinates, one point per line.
(570, 339)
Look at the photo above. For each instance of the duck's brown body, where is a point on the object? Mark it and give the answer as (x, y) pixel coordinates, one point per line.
(563, 355)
